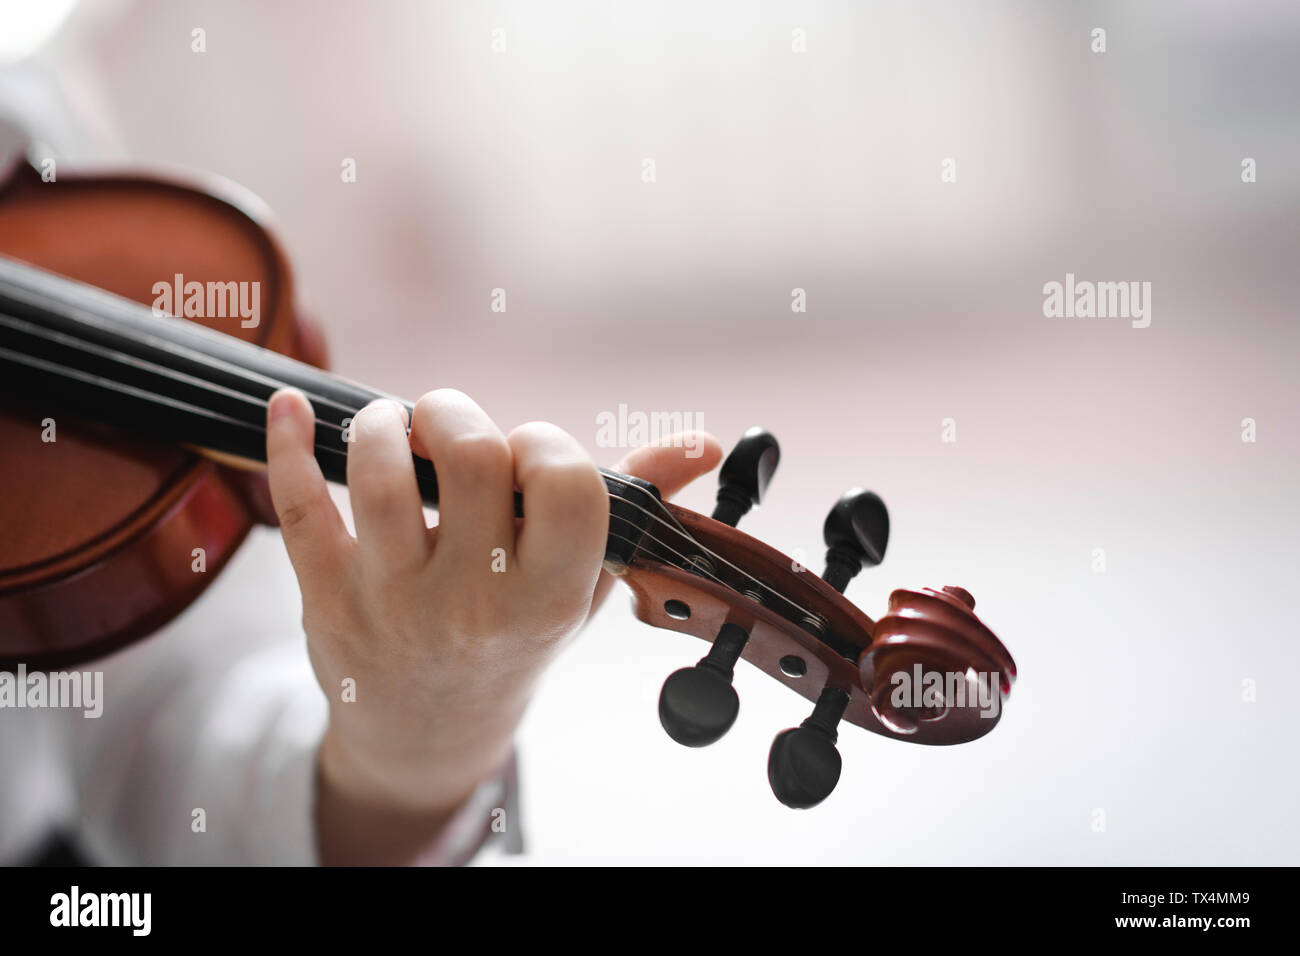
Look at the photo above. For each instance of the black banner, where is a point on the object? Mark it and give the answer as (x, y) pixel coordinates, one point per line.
(211, 906)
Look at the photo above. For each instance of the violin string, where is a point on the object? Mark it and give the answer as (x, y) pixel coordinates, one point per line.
(71, 311)
(713, 555)
(662, 507)
(687, 564)
(637, 546)
(116, 355)
(125, 358)
(144, 337)
(174, 375)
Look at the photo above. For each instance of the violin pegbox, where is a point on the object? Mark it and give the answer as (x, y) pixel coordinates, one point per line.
(928, 672)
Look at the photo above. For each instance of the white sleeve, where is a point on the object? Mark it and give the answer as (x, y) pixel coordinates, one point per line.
(206, 750)
(218, 769)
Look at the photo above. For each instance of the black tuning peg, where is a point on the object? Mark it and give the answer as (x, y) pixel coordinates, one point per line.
(744, 477)
(698, 704)
(856, 533)
(803, 766)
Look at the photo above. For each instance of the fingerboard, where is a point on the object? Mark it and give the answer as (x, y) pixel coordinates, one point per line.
(115, 361)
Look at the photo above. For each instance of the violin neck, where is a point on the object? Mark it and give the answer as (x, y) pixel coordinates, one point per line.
(113, 360)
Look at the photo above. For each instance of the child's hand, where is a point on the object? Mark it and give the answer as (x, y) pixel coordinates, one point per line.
(440, 644)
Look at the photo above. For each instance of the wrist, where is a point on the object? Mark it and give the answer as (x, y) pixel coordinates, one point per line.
(424, 783)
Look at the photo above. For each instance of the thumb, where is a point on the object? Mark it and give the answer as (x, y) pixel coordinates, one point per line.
(670, 466)
(675, 462)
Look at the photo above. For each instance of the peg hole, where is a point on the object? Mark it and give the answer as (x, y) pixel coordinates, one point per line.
(677, 610)
(792, 665)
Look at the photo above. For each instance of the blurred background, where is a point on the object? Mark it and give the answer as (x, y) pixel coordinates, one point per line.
(502, 145)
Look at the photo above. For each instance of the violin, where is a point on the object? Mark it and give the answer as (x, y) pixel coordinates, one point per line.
(132, 440)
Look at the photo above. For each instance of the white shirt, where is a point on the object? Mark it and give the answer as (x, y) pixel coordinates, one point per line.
(205, 751)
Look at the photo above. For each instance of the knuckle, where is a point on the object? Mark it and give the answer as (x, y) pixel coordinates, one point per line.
(384, 491)
(379, 416)
(293, 515)
(537, 433)
(477, 456)
(572, 487)
(297, 511)
(573, 477)
(558, 601)
(546, 449)
(440, 398)
(438, 407)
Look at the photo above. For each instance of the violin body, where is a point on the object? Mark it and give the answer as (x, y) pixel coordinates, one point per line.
(100, 527)
(128, 431)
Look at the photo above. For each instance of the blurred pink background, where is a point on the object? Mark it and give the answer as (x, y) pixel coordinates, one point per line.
(777, 170)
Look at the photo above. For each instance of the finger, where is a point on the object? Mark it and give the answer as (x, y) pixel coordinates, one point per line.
(313, 530)
(386, 507)
(675, 462)
(476, 502)
(566, 506)
(670, 466)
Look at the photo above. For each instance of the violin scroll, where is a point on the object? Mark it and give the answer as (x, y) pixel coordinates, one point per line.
(934, 670)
